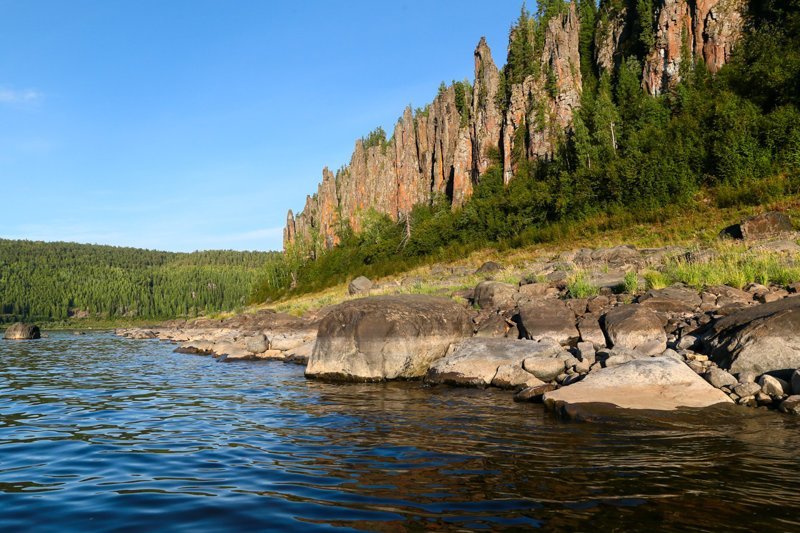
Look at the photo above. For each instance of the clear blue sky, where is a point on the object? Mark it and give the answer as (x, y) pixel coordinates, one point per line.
(195, 124)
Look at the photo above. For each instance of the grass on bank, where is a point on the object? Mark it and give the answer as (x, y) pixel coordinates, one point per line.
(733, 265)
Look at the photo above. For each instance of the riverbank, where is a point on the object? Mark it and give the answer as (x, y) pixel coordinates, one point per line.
(593, 321)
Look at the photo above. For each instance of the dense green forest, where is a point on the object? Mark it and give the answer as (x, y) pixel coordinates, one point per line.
(732, 138)
(54, 281)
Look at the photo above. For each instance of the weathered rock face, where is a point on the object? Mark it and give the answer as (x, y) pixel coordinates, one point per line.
(488, 120)
(612, 30)
(386, 337)
(443, 148)
(758, 339)
(707, 29)
(20, 331)
(544, 105)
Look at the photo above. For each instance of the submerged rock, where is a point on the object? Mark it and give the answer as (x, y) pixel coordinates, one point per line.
(21, 331)
(386, 337)
(658, 383)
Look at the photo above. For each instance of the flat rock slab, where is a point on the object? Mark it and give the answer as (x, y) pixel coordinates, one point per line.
(675, 299)
(386, 337)
(758, 339)
(657, 383)
(475, 362)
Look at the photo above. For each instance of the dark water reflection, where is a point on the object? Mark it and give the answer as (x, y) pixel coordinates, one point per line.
(103, 433)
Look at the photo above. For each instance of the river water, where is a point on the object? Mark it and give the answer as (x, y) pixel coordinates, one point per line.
(102, 433)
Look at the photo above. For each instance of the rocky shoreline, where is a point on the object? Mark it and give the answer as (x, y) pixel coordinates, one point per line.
(657, 349)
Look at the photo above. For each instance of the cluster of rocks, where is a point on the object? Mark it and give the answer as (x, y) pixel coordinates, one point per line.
(658, 349)
(265, 335)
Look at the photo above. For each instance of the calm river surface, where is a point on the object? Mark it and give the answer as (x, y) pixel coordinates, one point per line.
(102, 433)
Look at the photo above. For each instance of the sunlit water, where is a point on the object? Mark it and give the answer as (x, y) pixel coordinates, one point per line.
(99, 433)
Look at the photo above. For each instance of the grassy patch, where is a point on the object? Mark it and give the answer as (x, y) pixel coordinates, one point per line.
(580, 286)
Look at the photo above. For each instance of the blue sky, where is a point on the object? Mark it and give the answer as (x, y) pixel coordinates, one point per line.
(195, 124)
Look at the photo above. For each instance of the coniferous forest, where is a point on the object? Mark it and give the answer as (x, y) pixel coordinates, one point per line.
(55, 281)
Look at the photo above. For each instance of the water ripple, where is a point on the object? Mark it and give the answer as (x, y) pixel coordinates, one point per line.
(103, 433)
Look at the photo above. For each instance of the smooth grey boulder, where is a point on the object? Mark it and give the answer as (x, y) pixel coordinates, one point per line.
(359, 286)
(258, 343)
(758, 339)
(22, 332)
(720, 378)
(386, 337)
(494, 295)
(774, 386)
(637, 328)
(657, 383)
(544, 368)
(548, 318)
(475, 362)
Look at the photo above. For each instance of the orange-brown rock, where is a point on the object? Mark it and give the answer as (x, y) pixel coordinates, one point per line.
(707, 29)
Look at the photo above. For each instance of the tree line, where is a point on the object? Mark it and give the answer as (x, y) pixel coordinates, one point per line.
(42, 281)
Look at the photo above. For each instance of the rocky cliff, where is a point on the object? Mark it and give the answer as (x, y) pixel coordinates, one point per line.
(690, 31)
(444, 148)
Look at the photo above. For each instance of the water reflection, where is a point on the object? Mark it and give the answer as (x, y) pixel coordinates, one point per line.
(125, 434)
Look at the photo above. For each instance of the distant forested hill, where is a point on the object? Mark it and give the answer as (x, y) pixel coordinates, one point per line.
(54, 281)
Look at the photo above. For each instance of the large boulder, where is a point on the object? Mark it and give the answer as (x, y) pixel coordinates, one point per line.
(258, 343)
(657, 383)
(637, 328)
(548, 318)
(758, 339)
(762, 226)
(359, 286)
(386, 337)
(495, 295)
(21, 332)
(475, 362)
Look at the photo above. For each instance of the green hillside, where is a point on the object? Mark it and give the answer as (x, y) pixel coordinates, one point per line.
(55, 281)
